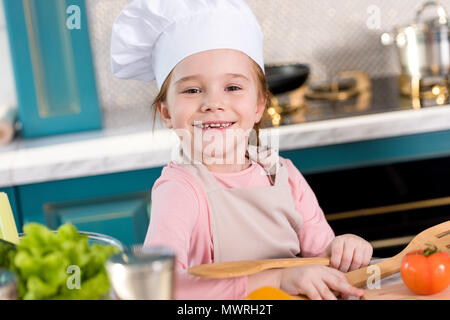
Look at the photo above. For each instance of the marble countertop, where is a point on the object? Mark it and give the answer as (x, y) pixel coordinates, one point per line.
(136, 147)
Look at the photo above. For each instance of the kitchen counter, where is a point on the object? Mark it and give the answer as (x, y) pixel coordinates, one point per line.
(132, 148)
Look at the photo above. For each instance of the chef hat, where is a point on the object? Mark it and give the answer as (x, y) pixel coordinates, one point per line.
(150, 37)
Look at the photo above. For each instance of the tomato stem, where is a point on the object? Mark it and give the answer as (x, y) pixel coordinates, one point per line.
(430, 250)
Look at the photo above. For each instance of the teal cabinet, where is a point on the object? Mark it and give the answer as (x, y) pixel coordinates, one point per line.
(125, 218)
(115, 204)
(370, 152)
(53, 67)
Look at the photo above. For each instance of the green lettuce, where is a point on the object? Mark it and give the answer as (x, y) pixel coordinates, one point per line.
(47, 264)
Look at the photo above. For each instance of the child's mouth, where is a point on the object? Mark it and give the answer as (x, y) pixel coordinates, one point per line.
(220, 125)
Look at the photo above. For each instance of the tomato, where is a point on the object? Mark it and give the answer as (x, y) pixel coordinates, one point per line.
(426, 271)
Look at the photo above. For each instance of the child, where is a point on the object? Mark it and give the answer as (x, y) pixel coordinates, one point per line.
(207, 59)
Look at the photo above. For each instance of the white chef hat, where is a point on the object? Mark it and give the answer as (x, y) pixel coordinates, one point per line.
(150, 37)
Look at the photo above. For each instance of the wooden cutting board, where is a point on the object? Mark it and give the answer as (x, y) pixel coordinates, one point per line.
(399, 291)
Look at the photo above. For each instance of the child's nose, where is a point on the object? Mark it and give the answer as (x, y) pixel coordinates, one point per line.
(212, 107)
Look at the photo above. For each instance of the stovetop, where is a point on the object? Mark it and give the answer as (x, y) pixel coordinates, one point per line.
(384, 96)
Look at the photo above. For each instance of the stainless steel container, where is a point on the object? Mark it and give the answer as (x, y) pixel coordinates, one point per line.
(8, 285)
(142, 273)
(424, 46)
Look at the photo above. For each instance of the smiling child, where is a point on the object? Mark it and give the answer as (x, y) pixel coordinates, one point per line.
(221, 199)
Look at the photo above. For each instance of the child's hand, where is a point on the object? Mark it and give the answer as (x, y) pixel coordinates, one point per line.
(315, 281)
(349, 252)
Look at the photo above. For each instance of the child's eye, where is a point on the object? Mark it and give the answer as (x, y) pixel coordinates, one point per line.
(190, 91)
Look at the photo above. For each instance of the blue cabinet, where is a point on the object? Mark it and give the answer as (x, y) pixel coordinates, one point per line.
(115, 204)
(125, 218)
(53, 67)
(368, 153)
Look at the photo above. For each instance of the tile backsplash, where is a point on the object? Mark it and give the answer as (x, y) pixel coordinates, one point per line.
(330, 36)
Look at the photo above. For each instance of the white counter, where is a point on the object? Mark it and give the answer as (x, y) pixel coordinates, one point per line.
(109, 151)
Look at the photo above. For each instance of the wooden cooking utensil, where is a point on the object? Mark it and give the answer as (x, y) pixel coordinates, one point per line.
(439, 235)
(241, 268)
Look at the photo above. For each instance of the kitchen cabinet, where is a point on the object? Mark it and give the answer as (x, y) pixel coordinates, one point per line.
(115, 204)
(53, 67)
(371, 152)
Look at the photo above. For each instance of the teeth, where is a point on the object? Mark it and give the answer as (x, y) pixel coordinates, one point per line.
(216, 125)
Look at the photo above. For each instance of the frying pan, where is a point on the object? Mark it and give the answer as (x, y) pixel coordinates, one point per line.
(283, 78)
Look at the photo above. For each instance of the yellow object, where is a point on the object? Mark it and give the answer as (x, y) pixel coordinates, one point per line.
(269, 293)
(8, 229)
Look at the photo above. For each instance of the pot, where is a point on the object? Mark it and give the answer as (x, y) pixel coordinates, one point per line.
(284, 78)
(423, 47)
(142, 273)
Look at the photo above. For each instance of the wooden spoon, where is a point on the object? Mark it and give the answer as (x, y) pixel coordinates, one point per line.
(241, 268)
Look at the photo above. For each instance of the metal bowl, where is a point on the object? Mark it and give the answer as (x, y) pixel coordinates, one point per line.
(96, 238)
(102, 239)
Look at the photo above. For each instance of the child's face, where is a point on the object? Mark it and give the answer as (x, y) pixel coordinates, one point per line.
(213, 94)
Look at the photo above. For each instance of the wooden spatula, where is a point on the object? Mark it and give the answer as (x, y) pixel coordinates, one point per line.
(242, 268)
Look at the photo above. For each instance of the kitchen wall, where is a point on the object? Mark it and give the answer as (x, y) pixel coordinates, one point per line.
(330, 36)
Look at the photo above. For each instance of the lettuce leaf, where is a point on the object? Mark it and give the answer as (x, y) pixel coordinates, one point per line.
(46, 263)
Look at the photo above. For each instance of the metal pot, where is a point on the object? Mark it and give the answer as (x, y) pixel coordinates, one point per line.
(424, 46)
(287, 77)
(142, 273)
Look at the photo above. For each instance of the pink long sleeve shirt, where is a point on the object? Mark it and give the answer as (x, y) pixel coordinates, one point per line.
(180, 220)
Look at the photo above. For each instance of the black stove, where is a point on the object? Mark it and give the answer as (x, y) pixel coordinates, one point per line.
(384, 94)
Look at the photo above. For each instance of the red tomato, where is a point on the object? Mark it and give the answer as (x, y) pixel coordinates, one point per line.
(426, 271)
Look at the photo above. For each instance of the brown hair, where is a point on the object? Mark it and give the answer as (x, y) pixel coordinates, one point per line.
(263, 92)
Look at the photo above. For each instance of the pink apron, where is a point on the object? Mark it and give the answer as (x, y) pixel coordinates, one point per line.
(252, 222)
